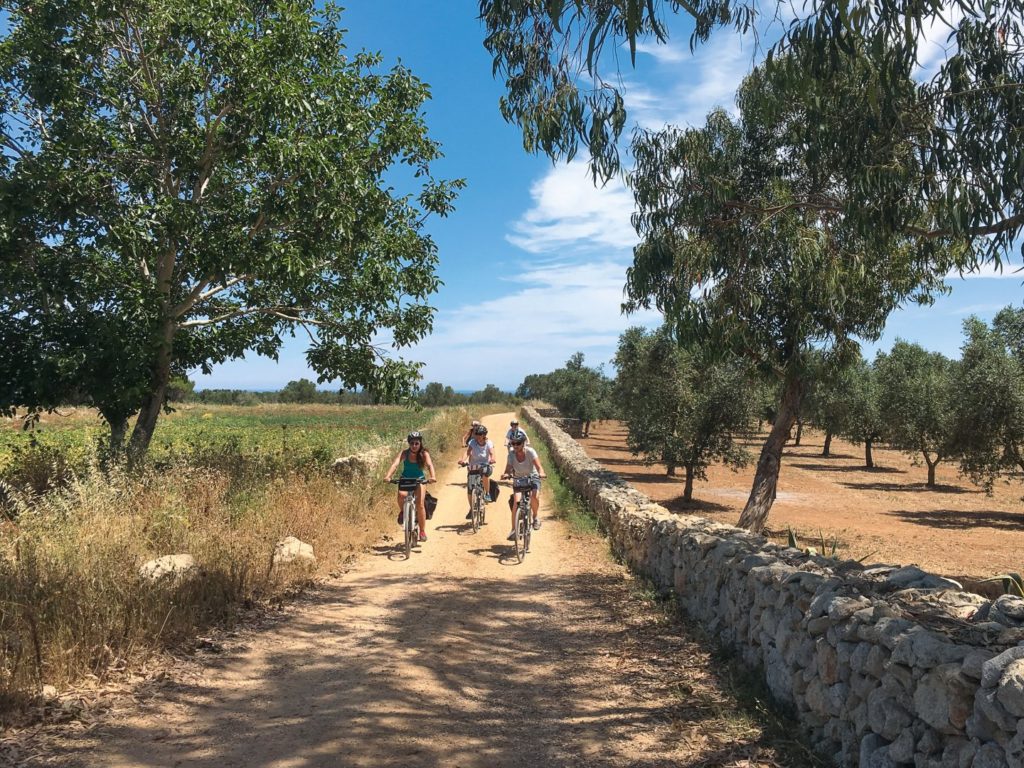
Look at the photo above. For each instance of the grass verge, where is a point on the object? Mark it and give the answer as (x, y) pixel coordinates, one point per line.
(72, 605)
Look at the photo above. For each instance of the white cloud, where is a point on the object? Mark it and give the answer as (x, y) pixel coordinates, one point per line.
(569, 211)
(1009, 270)
(707, 78)
(934, 45)
(668, 53)
(559, 308)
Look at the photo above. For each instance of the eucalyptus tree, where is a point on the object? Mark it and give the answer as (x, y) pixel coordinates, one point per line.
(918, 403)
(772, 288)
(187, 182)
(989, 405)
(682, 406)
(562, 70)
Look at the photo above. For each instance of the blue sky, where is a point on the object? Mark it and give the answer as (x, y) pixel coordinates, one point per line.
(533, 259)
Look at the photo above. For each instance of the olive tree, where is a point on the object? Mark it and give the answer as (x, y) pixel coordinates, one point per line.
(864, 423)
(918, 403)
(184, 183)
(989, 405)
(682, 406)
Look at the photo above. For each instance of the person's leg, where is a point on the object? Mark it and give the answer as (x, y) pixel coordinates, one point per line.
(421, 509)
(401, 499)
(514, 507)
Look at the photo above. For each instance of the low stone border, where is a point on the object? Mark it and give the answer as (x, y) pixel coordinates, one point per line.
(349, 468)
(883, 665)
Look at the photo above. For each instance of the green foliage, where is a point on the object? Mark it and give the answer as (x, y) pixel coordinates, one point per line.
(577, 391)
(918, 402)
(680, 405)
(989, 403)
(249, 444)
(560, 67)
(184, 183)
(864, 422)
(301, 391)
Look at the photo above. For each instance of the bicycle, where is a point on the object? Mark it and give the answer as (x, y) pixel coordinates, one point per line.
(475, 480)
(523, 525)
(410, 522)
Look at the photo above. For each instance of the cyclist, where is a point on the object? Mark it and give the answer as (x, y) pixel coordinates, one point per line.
(513, 427)
(468, 437)
(523, 462)
(414, 459)
(479, 451)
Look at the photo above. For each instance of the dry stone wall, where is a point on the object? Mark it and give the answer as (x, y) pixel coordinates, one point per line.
(883, 665)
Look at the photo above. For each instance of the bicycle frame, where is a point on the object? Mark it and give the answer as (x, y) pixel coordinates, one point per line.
(410, 521)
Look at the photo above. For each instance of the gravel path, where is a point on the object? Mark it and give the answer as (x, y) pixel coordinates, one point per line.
(457, 657)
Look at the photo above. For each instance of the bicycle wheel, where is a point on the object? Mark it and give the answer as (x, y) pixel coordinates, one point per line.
(521, 528)
(410, 526)
(477, 503)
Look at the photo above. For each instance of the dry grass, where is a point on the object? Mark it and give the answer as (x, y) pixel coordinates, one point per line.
(72, 603)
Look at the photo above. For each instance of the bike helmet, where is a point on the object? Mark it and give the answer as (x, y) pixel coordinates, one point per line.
(513, 423)
(414, 436)
(518, 438)
(480, 430)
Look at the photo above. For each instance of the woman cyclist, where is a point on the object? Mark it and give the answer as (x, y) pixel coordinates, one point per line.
(479, 451)
(414, 459)
(513, 427)
(523, 462)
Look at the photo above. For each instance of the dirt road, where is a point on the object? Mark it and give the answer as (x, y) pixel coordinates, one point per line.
(457, 657)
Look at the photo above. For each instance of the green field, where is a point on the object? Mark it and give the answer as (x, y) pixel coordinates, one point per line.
(273, 436)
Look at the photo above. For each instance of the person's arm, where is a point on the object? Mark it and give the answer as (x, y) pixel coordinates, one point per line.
(536, 463)
(430, 466)
(507, 472)
(394, 466)
(490, 453)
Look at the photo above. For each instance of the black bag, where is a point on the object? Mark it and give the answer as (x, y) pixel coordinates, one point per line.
(493, 491)
(429, 505)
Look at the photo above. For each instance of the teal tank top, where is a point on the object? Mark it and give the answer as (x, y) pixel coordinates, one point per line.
(411, 468)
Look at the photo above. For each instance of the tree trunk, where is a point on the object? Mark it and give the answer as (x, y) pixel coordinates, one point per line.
(154, 400)
(118, 430)
(869, 460)
(670, 469)
(799, 431)
(688, 488)
(762, 494)
(827, 450)
(931, 468)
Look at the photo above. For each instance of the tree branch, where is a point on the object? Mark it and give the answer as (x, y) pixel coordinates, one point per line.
(273, 311)
(197, 294)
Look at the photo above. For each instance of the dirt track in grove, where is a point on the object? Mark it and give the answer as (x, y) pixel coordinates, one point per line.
(457, 657)
(887, 514)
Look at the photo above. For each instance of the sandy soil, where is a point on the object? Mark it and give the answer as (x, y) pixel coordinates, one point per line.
(456, 657)
(887, 514)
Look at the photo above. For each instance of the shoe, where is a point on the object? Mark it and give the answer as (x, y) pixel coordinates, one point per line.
(423, 537)
(536, 524)
(512, 536)
(469, 515)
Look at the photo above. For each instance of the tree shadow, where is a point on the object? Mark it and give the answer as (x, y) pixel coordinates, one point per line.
(961, 519)
(817, 467)
(694, 506)
(495, 691)
(909, 488)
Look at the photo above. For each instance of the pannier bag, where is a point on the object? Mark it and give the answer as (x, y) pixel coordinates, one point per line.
(429, 505)
(493, 490)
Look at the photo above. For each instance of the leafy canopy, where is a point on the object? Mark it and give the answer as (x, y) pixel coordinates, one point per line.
(562, 73)
(183, 182)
